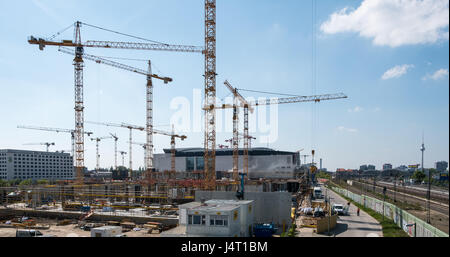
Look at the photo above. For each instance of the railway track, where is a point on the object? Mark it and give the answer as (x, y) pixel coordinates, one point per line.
(436, 204)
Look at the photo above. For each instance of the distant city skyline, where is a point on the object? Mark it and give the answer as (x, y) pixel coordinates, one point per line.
(395, 72)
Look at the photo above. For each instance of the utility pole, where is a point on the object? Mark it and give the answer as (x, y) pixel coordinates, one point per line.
(395, 188)
(374, 183)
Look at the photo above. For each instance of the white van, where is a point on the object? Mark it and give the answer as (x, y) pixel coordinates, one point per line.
(317, 193)
(28, 233)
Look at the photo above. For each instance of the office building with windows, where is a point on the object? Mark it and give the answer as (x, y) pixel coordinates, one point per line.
(20, 164)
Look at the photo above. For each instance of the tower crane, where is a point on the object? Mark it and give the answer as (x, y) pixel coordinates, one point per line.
(239, 101)
(123, 157)
(299, 156)
(223, 146)
(127, 126)
(46, 144)
(79, 65)
(58, 130)
(149, 113)
(172, 136)
(305, 155)
(144, 145)
(116, 139)
(247, 105)
(97, 141)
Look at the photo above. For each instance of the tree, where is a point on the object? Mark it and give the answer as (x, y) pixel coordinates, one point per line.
(43, 182)
(419, 176)
(4, 183)
(27, 182)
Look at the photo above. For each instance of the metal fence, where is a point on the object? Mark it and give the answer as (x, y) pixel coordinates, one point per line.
(412, 225)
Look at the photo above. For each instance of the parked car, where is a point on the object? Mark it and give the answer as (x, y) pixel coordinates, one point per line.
(338, 209)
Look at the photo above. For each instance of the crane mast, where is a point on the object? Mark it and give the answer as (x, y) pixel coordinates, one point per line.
(79, 106)
(149, 126)
(116, 138)
(210, 94)
(97, 140)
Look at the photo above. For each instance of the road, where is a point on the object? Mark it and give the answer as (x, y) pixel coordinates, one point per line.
(351, 225)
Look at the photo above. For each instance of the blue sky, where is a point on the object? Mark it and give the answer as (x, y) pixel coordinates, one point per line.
(395, 72)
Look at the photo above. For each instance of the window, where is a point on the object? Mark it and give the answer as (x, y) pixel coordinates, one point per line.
(190, 163)
(218, 220)
(200, 163)
(197, 219)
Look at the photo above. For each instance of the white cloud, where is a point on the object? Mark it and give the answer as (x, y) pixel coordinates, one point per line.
(439, 74)
(344, 129)
(394, 22)
(356, 109)
(377, 109)
(397, 71)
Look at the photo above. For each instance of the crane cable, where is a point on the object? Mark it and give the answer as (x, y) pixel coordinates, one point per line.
(270, 93)
(124, 34)
(59, 33)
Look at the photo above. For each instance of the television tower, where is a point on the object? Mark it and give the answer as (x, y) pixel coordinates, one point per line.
(422, 149)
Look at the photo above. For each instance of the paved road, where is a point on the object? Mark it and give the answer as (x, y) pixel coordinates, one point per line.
(351, 225)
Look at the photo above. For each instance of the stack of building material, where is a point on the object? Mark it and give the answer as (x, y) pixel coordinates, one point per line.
(127, 226)
(309, 222)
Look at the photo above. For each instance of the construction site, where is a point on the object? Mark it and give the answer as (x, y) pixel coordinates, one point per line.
(212, 189)
(158, 200)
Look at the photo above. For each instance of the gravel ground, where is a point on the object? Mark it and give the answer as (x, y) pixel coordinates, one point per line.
(69, 231)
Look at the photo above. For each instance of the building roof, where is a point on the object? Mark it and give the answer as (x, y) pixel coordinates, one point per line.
(216, 205)
(32, 152)
(198, 152)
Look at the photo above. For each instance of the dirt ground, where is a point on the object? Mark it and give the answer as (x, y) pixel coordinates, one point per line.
(69, 231)
(438, 220)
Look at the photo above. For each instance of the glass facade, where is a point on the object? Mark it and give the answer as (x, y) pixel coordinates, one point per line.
(190, 163)
(200, 163)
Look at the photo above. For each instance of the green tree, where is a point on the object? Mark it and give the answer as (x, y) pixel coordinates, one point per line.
(27, 182)
(419, 176)
(43, 182)
(4, 183)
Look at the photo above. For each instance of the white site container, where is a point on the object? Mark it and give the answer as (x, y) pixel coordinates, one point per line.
(233, 228)
(183, 211)
(246, 214)
(106, 231)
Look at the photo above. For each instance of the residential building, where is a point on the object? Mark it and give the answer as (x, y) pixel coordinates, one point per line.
(441, 166)
(387, 166)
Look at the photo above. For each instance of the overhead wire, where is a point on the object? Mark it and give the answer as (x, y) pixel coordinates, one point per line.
(59, 33)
